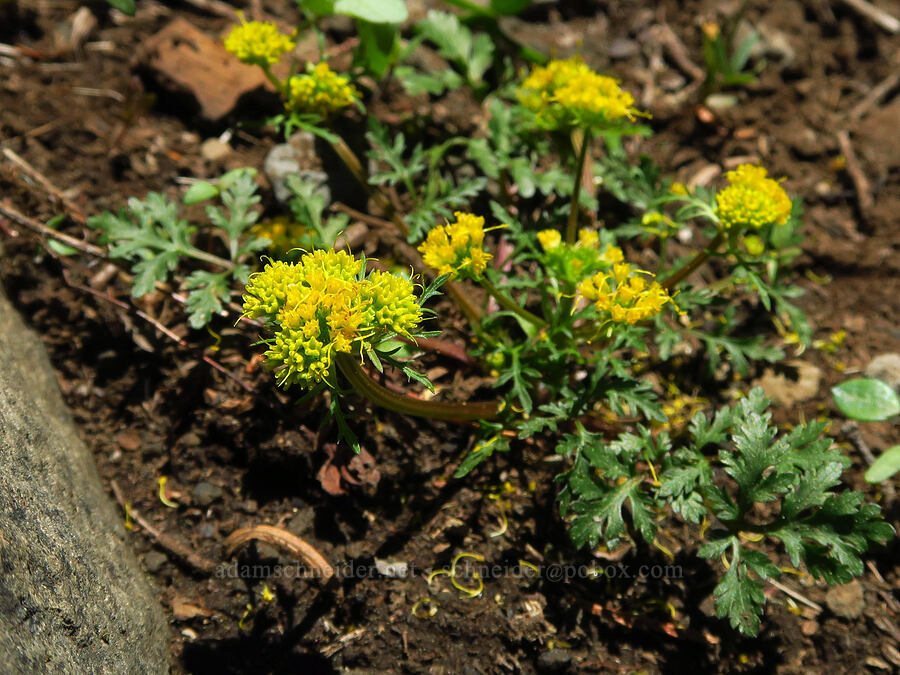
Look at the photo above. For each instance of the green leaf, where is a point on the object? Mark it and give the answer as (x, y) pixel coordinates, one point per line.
(480, 453)
(377, 45)
(887, 464)
(317, 7)
(416, 82)
(473, 54)
(866, 399)
(373, 11)
(199, 192)
(208, 292)
(740, 597)
(509, 7)
(60, 248)
(125, 6)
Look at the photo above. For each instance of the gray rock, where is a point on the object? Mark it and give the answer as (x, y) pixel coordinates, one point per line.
(206, 493)
(885, 367)
(554, 661)
(296, 157)
(154, 561)
(73, 597)
(846, 601)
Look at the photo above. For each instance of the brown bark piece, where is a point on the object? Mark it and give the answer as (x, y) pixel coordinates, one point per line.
(188, 60)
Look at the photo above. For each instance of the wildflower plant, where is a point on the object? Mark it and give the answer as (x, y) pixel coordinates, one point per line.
(309, 97)
(153, 235)
(572, 317)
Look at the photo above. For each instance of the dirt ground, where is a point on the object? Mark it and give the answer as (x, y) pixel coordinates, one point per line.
(236, 452)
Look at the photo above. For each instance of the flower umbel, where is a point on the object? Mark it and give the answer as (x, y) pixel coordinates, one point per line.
(323, 305)
(576, 261)
(258, 43)
(624, 294)
(567, 94)
(320, 91)
(457, 248)
(752, 200)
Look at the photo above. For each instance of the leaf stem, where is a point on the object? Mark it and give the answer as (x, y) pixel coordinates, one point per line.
(509, 304)
(384, 397)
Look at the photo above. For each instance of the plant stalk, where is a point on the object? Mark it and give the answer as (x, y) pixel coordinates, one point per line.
(508, 303)
(574, 207)
(695, 262)
(438, 410)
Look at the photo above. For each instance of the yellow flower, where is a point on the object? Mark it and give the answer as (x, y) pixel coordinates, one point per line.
(549, 239)
(283, 232)
(624, 294)
(456, 248)
(258, 43)
(322, 305)
(752, 200)
(567, 94)
(320, 91)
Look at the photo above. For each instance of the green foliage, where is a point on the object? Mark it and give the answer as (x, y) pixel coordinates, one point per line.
(472, 54)
(435, 195)
(125, 6)
(730, 464)
(866, 400)
(157, 240)
(871, 400)
(308, 203)
(887, 464)
(725, 60)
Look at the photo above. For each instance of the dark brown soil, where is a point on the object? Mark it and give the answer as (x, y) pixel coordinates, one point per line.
(150, 407)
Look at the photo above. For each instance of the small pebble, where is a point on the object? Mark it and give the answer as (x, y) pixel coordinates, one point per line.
(622, 49)
(885, 367)
(213, 149)
(554, 661)
(154, 561)
(190, 440)
(206, 493)
(847, 600)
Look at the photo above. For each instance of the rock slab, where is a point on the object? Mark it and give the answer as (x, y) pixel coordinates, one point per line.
(73, 597)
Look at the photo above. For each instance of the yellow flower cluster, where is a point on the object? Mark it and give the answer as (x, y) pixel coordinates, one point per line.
(258, 43)
(625, 294)
(572, 263)
(457, 248)
(566, 94)
(320, 91)
(284, 233)
(324, 304)
(752, 200)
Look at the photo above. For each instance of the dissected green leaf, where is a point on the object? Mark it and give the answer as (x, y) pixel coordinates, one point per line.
(473, 54)
(740, 598)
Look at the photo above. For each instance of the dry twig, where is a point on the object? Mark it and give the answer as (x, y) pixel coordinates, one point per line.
(170, 544)
(72, 209)
(878, 92)
(860, 182)
(875, 14)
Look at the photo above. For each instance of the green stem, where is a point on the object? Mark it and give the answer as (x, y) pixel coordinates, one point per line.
(695, 262)
(438, 410)
(199, 254)
(574, 207)
(280, 86)
(508, 303)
